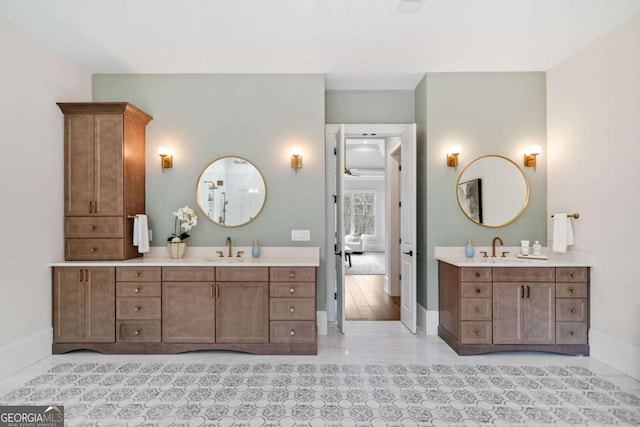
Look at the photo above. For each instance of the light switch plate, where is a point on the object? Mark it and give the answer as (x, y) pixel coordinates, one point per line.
(300, 235)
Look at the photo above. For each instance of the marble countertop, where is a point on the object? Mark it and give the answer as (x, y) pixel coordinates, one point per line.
(207, 257)
(461, 261)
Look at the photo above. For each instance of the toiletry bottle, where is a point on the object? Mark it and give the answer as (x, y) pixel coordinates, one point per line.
(468, 250)
(537, 249)
(255, 251)
(524, 247)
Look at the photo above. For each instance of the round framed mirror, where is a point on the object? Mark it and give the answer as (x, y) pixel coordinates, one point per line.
(231, 191)
(492, 191)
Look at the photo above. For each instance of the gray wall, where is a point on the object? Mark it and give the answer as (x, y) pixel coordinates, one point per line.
(421, 178)
(369, 106)
(258, 117)
(484, 113)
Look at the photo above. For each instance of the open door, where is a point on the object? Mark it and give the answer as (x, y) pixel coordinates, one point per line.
(339, 235)
(408, 228)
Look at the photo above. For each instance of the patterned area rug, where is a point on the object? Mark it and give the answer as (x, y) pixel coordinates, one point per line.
(366, 263)
(166, 394)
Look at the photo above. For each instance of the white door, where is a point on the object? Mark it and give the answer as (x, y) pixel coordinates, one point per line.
(408, 228)
(339, 235)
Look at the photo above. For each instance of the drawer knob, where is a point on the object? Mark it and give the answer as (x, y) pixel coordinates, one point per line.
(137, 308)
(572, 333)
(292, 290)
(94, 249)
(136, 332)
(292, 274)
(138, 274)
(477, 333)
(477, 309)
(573, 275)
(292, 310)
(573, 310)
(292, 333)
(477, 274)
(92, 227)
(478, 290)
(136, 290)
(572, 291)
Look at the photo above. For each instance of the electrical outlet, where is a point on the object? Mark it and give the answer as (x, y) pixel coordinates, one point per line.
(300, 235)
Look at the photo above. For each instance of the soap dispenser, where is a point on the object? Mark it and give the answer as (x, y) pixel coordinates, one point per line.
(255, 251)
(537, 249)
(468, 250)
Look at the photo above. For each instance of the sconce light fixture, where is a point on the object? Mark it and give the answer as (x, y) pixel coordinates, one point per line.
(452, 157)
(166, 159)
(530, 158)
(296, 159)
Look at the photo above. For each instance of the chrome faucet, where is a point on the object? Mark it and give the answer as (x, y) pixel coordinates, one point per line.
(493, 246)
(230, 246)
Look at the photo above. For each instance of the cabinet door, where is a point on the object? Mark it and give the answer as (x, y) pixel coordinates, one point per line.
(68, 305)
(188, 312)
(242, 312)
(540, 313)
(508, 309)
(100, 304)
(108, 164)
(78, 164)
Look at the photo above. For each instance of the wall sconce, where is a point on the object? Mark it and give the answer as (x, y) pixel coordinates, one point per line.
(296, 159)
(166, 159)
(452, 157)
(530, 158)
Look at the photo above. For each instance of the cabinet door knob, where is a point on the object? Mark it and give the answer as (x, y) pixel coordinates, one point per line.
(94, 249)
(292, 333)
(292, 291)
(138, 274)
(292, 310)
(572, 333)
(573, 310)
(573, 275)
(572, 291)
(477, 309)
(477, 274)
(136, 308)
(292, 274)
(477, 333)
(92, 227)
(136, 290)
(136, 332)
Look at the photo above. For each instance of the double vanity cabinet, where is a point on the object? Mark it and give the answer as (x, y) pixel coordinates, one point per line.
(485, 308)
(124, 308)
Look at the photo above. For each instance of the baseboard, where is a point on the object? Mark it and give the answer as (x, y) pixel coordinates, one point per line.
(618, 354)
(18, 355)
(433, 320)
(321, 319)
(426, 321)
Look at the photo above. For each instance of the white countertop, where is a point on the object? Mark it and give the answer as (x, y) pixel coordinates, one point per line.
(207, 257)
(454, 255)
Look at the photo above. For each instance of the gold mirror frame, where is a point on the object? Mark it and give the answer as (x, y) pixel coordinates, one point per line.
(524, 204)
(200, 181)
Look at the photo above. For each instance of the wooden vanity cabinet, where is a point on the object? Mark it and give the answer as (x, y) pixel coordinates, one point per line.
(83, 305)
(104, 175)
(138, 304)
(485, 309)
(293, 305)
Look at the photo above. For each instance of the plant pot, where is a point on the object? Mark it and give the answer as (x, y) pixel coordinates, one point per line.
(177, 249)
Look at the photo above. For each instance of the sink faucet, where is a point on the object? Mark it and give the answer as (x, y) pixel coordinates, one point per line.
(493, 246)
(229, 245)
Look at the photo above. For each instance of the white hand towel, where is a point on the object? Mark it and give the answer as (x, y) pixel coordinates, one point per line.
(141, 233)
(562, 232)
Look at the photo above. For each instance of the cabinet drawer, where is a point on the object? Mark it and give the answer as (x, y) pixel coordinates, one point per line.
(571, 274)
(292, 309)
(188, 274)
(480, 290)
(571, 290)
(475, 332)
(242, 274)
(475, 274)
(138, 274)
(571, 333)
(138, 331)
(94, 249)
(135, 289)
(293, 290)
(293, 274)
(93, 227)
(137, 308)
(571, 310)
(283, 332)
(476, 309)
(524, 274)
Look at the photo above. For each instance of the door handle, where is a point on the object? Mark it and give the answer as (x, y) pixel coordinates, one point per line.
(339, 253)
(410, 253)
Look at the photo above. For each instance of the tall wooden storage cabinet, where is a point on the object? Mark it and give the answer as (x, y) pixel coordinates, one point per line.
(104, 177)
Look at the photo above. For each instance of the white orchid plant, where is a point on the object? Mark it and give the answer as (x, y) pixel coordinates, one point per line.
(186, 219)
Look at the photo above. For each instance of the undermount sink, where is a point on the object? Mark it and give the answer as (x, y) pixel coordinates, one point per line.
(225, 260)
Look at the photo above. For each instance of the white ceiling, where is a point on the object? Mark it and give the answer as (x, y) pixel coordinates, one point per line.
(366, 44)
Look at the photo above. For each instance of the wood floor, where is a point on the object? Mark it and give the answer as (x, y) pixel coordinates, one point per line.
(365, 299)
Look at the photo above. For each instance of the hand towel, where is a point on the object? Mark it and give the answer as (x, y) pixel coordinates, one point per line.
(562, 232)
(141, 233)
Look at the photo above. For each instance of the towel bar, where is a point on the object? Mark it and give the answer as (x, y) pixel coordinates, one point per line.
(573, 215)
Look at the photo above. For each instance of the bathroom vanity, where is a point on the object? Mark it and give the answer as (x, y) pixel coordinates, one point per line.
(491, 305)
(159, 305)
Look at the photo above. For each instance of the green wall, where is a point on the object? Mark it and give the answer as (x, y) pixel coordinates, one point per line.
(258, 117)
(484, 113)
(369, 106)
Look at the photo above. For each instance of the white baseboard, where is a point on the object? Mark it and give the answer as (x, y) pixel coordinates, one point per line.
(618, 354)
(427, 321)
(321, 317)
(18, 355)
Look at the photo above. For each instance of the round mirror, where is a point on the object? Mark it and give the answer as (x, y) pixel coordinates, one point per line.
(231, 191)
(492, 191)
